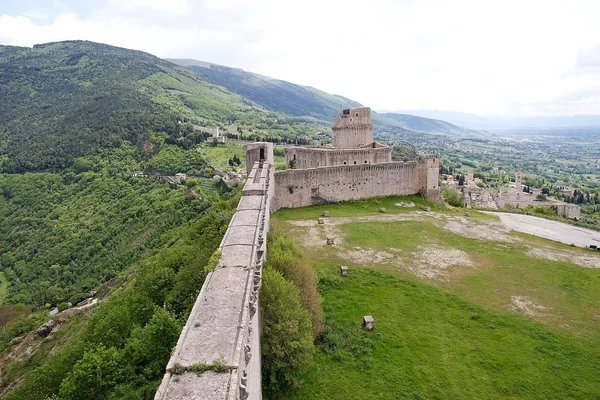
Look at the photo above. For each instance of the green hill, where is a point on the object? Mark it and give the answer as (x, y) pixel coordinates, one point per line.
(421, 124)
(273, 94)
(61, 100)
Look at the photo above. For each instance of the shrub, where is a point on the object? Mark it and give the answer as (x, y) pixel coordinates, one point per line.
(287, 346)
(62, 306)
(453, 197)
(285, 257)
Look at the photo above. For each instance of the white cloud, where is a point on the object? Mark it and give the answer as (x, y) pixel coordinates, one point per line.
(489, 57)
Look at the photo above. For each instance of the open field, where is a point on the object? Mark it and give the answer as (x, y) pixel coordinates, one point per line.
(464, 307)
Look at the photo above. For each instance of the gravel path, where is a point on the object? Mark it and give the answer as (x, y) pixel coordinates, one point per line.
(553, 230)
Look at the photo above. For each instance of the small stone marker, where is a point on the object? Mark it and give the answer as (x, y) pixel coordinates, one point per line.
(382, 210)
(330, 240)
(321, 221)
(427, 209)
(344, 270)
(326, 214)
(368, 322)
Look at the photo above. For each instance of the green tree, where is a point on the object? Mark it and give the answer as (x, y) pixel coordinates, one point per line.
(149, 348)
(94, 376)
(453, 197)
(287, 345)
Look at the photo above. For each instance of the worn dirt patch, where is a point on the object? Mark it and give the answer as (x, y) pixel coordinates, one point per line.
(527, 306)
(359, 255)
(487, 230)
(317, 235)
(433, 262)
(409, 204)
(591, 261)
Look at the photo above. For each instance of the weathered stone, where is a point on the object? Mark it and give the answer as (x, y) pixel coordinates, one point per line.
(47, 327)
(382, 210)
(467, 214)
(344, 270)
(326, 214)
(428, 209)
(368, 322)
(330, 240)
(321, 221)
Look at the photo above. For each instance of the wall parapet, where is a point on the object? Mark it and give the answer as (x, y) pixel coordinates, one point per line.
(224, 324)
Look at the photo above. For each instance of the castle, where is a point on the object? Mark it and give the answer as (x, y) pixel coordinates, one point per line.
(354, 167)
(225, 322)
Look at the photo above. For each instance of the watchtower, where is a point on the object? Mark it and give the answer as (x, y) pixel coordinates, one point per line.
(259, 151)
(353, 129)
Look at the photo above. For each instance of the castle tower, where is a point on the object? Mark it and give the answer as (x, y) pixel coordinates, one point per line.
(353, 129)
(518, 180)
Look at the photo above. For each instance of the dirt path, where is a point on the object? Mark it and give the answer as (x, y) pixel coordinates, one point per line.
(553, 230)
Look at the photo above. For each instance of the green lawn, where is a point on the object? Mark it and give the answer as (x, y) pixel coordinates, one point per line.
(219, 155)
(429, 344)
(360, 208)
(455, 338)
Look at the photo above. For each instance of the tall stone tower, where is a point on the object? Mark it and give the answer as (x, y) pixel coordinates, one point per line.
(518, 180)
(353, 129)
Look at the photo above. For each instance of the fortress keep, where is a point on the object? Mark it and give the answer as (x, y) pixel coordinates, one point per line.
(354, 167)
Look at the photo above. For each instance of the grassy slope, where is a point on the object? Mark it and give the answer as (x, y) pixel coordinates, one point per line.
(455, 339)
(273, 94)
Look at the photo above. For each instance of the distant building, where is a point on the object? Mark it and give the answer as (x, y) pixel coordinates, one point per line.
(571, 211)
(216, 138)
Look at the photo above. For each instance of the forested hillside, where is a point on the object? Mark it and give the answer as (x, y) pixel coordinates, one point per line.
(60, 100)
(77, 120)
(273, 94)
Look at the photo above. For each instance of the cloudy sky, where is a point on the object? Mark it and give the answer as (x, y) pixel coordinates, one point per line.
(490, 57)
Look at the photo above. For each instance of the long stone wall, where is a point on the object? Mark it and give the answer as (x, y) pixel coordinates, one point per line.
(305, 187)
(225, 321)
(311, 157)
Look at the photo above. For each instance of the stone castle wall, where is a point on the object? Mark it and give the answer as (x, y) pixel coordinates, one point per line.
(312, 157)
(305, 187)
(225, 321)
(352, 128)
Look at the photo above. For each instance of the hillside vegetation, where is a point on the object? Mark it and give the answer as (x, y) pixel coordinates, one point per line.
(59, 101)
(273, 94)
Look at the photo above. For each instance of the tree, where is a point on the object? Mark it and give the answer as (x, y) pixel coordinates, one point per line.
(148, 349)
(94, 376)
(287, 345)
(453, 197)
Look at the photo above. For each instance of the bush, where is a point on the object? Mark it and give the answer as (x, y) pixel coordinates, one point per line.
(285, 258)
(287, 344)
(453, 197)
(62, 306)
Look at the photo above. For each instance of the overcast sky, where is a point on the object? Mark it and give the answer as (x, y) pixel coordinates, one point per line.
(499, 57)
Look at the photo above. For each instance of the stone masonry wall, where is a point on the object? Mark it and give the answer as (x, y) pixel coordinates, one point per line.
(225, 321)
(352, 128)
(305, 187)
(311, 157)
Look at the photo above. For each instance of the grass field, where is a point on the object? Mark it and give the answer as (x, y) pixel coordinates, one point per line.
(457, 316)
(218, 156)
